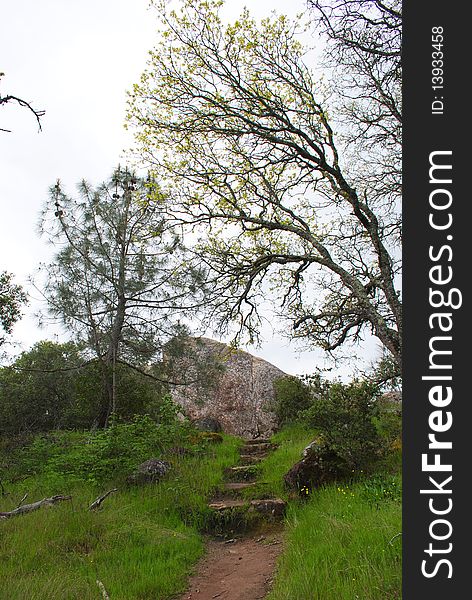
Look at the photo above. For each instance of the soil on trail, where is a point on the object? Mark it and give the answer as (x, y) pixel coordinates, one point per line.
(239, 569)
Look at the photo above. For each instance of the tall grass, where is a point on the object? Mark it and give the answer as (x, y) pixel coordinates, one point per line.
(291, 441)
(339, 547)
(141, 545)
(337, 540)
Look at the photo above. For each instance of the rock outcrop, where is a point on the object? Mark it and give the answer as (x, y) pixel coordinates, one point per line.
(241, 391)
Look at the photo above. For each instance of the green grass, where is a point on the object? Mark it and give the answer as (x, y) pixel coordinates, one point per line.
(142, 544)
(337, 539)
(291, 440)
(338, 547)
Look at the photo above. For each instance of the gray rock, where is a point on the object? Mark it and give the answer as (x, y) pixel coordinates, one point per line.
(312, 447)
(208, 423)
(241, 394)
(394, 398)
(317, 468)
(150, 471)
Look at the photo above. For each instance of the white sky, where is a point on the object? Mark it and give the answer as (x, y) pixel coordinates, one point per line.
(76, 59)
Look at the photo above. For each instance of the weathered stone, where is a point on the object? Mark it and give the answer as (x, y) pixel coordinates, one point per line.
(256, 448)
(251, 459)
(238, 486)
(394, 397)
(312, 471)
(228, 505)
(242, 473)
(150, 471)
(241, 393)
(275, 507)
(313, 447)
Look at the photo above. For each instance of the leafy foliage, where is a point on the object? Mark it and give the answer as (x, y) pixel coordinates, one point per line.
(381, 487)
(54, 386)
(235, 121)
(292, 396)
(344, 417)
(100, 456)
(12, 297)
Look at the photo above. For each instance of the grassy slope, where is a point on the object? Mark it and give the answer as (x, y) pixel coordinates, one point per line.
(144, 541)
(337, 541)
(141, 545)
(338, 548)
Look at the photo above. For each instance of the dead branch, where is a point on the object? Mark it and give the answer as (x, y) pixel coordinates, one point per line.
(103, 590)
(394, 537)
(21, 510)
(22, 500)
(96, 504)
(37, 113)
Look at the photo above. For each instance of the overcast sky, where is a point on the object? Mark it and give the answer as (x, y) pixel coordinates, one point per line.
(76, 59)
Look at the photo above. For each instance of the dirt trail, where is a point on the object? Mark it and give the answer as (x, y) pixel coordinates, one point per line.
(236, 570)
(241, 569)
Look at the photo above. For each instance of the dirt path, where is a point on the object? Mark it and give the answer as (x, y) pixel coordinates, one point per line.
(236, 570)
(242, 568)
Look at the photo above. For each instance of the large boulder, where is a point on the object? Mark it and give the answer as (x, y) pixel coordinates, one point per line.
(238, 393)
(393, 398)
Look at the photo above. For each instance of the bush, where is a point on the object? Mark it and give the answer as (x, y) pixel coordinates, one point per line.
(104, 455)
(53, 386)
(388, 421)
(344, 416)
(292, 397)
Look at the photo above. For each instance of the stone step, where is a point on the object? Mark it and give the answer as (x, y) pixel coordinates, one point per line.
(251, 459)
(271, 507)
(222, 505)
(237, 486)
(256, 448)
(241, 473)
(257, 441)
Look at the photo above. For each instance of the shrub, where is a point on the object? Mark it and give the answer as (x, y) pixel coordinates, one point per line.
(292, 397)
(53, 386)
(344, 415)
(388, 421)
(96, 457)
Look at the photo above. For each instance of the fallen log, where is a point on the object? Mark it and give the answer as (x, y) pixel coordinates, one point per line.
(27, 508)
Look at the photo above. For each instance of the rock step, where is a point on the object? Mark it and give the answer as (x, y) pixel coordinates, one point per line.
(274, 507)
(255, 448)
(228, 504)
(251, 459)
(241, 473)
(236, 486)
(258, 441)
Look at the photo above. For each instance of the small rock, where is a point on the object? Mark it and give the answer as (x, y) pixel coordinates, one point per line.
(150, 471)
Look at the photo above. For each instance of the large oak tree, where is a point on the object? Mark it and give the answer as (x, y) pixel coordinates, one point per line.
(290, 184)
